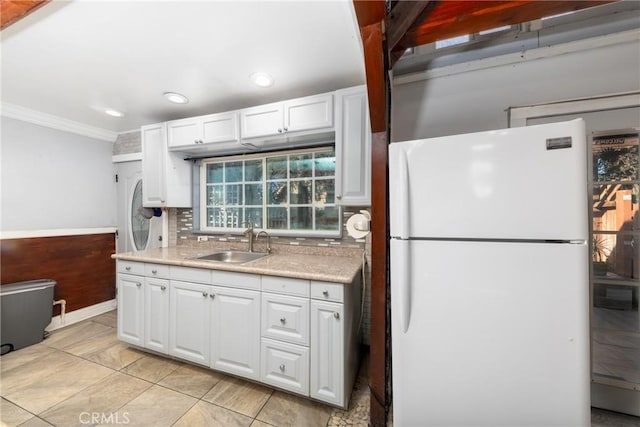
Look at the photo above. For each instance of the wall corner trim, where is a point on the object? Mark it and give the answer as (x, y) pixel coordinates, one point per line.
(131, 157)
(54, 122)
(27, 234)
(81, 314)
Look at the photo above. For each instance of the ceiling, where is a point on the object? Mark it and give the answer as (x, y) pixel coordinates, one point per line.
(75, 59)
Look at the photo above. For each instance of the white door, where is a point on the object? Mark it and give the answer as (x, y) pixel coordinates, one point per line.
(235, 332)
(131, 309)
(135, 232)
(189, 327)
(156, 314)
(327, 352)
(489, 333)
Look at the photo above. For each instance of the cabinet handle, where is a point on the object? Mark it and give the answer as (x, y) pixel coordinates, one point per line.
(339, 196)
(138, 284)
(283, 320)
(128, 268)
(279, 130)
(204, 294)
(282, 367)
(325, 293)
(212, 296)
(162, 288)
(286, 129)
(336, 315)
(154, 271)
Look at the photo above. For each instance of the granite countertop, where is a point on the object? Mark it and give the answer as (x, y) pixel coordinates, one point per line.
(339, 269)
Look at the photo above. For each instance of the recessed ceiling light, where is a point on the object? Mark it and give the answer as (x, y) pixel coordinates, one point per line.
(113, 113)
(262, 79)
(176, 98)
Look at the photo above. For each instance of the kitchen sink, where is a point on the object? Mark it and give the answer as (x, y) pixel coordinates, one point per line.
(236, 257)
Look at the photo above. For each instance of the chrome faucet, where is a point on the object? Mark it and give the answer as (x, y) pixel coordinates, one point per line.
(268, 239)
(249, 233)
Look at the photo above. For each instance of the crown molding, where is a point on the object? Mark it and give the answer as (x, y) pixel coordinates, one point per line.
(54, 122)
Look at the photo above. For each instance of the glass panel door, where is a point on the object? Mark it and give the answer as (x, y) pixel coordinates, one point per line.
(140, 220)
(615, 251)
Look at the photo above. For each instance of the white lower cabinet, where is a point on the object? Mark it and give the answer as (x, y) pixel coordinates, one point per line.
(131, 309)
(189, 321)
(327, 352)
(293, 334)
(285, 366)
(235, 331)
(156, 314)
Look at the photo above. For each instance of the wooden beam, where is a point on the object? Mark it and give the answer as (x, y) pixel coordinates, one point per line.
(14, 10)
(452, 18)
(402, 18)
(372, 29)
(369, 11)
(374, 60)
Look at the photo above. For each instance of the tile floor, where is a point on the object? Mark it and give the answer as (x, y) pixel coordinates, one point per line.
(82, 375)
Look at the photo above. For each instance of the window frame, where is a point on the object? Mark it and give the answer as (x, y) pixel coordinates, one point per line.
(200, 196)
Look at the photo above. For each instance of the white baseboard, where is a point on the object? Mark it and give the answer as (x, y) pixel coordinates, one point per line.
(81, 314)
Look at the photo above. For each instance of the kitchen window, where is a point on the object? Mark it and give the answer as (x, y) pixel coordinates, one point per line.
(286, 193)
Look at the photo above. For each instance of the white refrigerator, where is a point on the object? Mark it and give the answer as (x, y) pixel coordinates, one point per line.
(489, 278)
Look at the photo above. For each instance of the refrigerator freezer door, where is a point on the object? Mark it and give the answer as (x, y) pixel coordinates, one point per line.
(498, 334)
(521, 183)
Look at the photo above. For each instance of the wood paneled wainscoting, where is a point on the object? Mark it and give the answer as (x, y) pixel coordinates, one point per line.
(80, 263)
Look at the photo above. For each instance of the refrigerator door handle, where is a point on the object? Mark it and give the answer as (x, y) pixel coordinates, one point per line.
(401, 276)
(399, 181)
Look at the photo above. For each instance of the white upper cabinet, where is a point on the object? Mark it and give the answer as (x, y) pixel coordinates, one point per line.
(287, 118)
(214, 132)
(153, 161)
(166, 177)
(353, 147)
(265, 120)
(312, 112)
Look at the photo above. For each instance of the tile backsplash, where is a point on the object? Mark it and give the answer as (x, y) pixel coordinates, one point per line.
(128, 143)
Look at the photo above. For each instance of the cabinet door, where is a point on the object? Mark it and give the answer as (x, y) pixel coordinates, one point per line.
(156, 314)
(312, 112)
(353, 148)
(189, 324)
(131, 309)
(327, 352)
(217, 128)
(264, 120)
(285, 318)
(183, 133)
(235, 324)
(153, 165)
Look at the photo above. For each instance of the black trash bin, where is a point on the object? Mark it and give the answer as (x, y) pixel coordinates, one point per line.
(27, 308)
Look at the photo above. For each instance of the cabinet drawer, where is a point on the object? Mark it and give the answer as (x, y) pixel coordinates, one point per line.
(285, 285)
(285, 366)
(236, 280)
(327, 291)
(198, 275)
(285, 318)
(156, 270)
(130, 267)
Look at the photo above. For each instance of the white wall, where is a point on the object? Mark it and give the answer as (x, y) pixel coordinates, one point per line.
(53, 179)
(478, 100)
